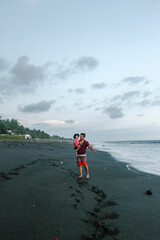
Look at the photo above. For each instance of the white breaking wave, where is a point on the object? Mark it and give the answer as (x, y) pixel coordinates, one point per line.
(141, 155)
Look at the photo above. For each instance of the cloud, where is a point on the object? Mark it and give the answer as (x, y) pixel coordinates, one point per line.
(126, 96)
(156, 103)
(98, 85)
(21, 77)
(79, 90)
(6, 86)
(140, 115)
(70, 90)
(145, 102)
(42, 106)
(81, 65)
(25, 73)
(47, 123)
(130, 94)
(134, 80)
(1, 101)
(149, 102)
(114, 112)
(115, 85)
(69, 121)
(25, 77)
(116, 97)
(156, 97)
(89, 106)
(146, 93)
(62, 73)
(86, 63)
(147, 82)
(3, 64)
(53, 123)
(98, 108)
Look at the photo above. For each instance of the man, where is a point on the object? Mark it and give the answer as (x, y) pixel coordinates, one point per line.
(81, 155)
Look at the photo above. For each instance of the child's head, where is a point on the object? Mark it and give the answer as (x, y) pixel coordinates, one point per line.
(76, 135)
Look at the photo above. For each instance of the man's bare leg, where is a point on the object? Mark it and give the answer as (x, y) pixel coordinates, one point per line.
(80, 171)
(87, 172)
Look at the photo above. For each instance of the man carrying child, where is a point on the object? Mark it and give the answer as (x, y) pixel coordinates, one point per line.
(81, 153)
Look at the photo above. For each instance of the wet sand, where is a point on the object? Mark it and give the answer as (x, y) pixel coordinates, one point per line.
(42, 199)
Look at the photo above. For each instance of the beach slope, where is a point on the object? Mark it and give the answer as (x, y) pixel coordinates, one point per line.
(42, 199)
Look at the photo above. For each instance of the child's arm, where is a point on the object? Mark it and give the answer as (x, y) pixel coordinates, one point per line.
(79, 146)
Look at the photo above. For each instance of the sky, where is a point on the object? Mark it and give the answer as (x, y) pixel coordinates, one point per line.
(82, 66)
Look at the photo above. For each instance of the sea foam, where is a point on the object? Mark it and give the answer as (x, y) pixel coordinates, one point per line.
(141, 155)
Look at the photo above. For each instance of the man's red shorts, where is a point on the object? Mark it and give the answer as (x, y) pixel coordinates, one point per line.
(81, 160)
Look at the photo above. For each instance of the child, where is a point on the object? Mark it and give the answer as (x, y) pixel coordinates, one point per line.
(76, 142)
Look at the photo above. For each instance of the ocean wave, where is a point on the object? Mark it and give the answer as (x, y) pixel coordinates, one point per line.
(141, 155)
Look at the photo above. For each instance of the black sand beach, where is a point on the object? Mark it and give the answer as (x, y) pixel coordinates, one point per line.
(42, 199)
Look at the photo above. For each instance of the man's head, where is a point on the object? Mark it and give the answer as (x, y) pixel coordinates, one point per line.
(82, 136)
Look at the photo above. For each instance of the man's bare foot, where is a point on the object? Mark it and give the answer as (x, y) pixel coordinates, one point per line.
(87, 176)
(80, 176)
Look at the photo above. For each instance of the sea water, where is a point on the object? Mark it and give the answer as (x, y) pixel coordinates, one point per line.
(140, 155)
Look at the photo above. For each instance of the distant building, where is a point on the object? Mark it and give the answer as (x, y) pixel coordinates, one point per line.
(9, 132)
(27, 136)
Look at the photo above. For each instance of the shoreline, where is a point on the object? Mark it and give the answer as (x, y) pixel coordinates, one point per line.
(35, 141)
(41, 197)
(131, 166)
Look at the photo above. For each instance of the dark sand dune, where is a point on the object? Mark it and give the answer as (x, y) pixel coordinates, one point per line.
(41, 197)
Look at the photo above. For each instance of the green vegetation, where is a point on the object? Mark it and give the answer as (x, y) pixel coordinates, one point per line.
(57, 138)
(12, 129)
(11, 137)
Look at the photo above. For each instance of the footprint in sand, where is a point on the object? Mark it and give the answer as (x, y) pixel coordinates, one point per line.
(4, 176)
(78, 196)
(100, 216)
(13, 173)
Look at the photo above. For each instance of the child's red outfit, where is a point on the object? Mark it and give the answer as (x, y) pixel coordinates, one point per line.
(76, 142)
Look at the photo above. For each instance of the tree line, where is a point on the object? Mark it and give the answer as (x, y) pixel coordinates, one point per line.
(18, 129)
